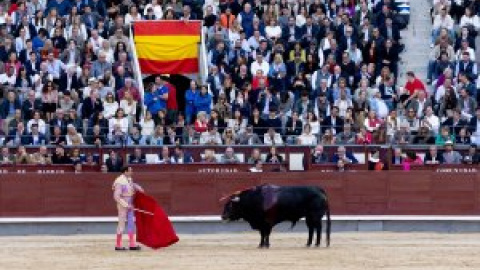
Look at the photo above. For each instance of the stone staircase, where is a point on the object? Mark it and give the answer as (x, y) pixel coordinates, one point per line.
(417, 41)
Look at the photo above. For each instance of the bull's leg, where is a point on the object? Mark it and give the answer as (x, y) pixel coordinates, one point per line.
(268, 230)
(319, 232)
(310, 232)
(262, 238)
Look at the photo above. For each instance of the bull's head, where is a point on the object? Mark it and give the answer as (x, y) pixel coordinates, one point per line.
(231, 211)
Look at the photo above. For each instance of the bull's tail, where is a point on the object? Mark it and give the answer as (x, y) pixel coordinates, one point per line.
(329, 221)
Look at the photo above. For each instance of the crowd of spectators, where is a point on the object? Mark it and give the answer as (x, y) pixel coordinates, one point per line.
(304, 72)
(453, 99)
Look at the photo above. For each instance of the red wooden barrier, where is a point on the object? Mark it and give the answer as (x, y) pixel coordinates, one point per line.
(193, 193)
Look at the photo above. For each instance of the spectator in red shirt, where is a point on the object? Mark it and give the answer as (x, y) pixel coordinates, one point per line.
(172, 105)
(363, 137)
(259, 80)
(201, 124)
(412, 86)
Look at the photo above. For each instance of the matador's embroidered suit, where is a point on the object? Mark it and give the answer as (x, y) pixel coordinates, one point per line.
(124, 189)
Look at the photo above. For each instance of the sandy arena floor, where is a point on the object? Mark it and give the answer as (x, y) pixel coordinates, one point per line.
(238, 251)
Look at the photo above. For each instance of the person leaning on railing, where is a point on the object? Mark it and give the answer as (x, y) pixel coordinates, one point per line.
(164, 156)
(60, 157)
(209, 156)
(180, 156)
(137, 157)
(318, 155)
(273, 156)
(346, 156)
(432, 156)
(114, 162)
(22, 157)
(6, 157)
(451, 156)
(229, 157)
(473, 156)
(411, 158)
(211, 137)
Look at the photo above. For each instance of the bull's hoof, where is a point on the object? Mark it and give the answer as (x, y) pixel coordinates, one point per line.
(308, 245)
(317, 245)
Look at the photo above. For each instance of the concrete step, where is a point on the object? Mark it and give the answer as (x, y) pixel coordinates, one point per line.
(416, 68)
(425, 33)
(417, 40)
(416, 56)
(420, 21)
(419, 67)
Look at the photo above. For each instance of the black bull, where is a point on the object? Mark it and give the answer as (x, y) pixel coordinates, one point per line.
(265, 206)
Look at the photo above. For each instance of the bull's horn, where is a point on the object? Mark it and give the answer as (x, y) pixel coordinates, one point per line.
(233, 193)
(224, 198)
(230, 195)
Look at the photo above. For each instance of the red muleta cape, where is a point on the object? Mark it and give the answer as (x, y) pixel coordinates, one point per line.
(154, 231)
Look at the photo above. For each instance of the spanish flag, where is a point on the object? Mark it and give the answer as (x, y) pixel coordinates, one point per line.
(167, 47)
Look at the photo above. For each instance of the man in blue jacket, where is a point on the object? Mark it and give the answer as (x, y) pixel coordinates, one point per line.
(18, 136)
(203, 101)
(344, 155)
(156, 99)
(36, 137)
(62, 6)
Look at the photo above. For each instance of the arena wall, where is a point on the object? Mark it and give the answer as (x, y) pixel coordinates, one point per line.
(56, 194)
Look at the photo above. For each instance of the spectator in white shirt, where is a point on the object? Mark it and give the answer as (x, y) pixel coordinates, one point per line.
(272, 137)
(465, 48)
(442, 20)
(211, 137)
(469, 19)
(157, 9)
(120, 120)
(110, 106)
(431, 120)
(73, 137)
(147, 124)
(133, 15)
(254, 41)
(307, 138)
(259, 64)
(273, 30)
(96, 40)
(8, 78)
(38, 121)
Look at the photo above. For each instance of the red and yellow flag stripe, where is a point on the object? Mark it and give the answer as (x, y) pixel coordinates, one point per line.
(169, 47)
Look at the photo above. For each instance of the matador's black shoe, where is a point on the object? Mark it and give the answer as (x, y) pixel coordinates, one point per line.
(137, 248)
(120, 249)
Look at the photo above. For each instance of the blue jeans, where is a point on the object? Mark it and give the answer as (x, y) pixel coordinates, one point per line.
(389, 104)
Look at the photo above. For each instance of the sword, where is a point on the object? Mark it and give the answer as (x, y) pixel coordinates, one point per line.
(143, 211)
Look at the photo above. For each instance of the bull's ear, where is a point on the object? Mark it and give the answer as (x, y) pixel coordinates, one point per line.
(235, 199)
